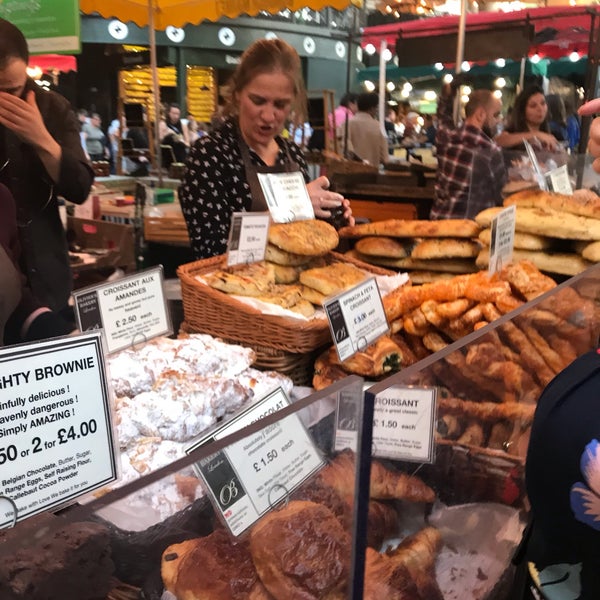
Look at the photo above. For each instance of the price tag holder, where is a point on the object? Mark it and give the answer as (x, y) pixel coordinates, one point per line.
(248, 478)
(347, 419)
(130, 310)
(356, 318)
(404, 424)
(559, 180)
(247, 238)
(287, 196)
(502, 239)
(537, 170)
(56, 436)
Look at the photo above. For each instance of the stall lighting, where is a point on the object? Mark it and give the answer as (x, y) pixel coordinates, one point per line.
(497, 94)
(405, 93)
(388, 9)
(500, 63)
(369, 85)
(574, 56)
(466, 90)
(34, 72)
(430, 96)
(464, 98)
(500, 82)
(370, 49)
(390, 86)
(535, 59)
(439, 66)
(465, 66)
(407, 86)
(447, 78)
(387, 55)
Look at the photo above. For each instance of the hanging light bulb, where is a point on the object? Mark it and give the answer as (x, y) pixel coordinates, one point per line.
(574, 56)
(370, 49)
(430, 96)
(497, 94)
(447, 78)
(439, 66)
(407, 86)
(535, 59)
(500, 82)
(500, 62)
(405, 93)
(466, 90)
(387, 55)
(390, 86)
(464, 98)
(369, 85)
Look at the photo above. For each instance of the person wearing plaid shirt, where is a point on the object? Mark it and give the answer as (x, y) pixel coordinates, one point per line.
(471, 170)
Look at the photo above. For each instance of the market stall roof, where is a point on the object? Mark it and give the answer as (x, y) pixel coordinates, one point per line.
(51, 62)
(557, 30)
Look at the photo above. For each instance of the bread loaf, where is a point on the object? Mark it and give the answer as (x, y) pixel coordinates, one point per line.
(308, 238)
(525, 241)
(384, 246)
(583, 202)
(462, 228)
(445, 248)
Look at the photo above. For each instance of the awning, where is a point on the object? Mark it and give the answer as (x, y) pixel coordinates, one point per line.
(52, 62)
(558, 30)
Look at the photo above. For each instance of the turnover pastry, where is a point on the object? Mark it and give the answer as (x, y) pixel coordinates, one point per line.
(311, 237)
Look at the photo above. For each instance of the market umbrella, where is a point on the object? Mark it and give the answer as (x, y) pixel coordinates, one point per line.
(160, 14)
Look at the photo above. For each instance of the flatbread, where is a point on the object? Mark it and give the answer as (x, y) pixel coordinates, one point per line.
(448, 265)
(285, 274)
(303, 307)
(445, 248)
(332, 279)
(311, 237)
(312, 296)
(420, 277)
(548, 222)
(462, 228)
(282, 295)
(591, 252)
(255, 279)
(561, 263)
(384, 246)
(281, 257)
(525, 241)
(582, 202)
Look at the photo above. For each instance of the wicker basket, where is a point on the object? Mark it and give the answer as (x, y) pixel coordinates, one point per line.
(211, 311)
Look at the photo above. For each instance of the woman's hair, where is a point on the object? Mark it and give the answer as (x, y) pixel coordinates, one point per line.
(265, 57)
(518, 121)
(12, 43)
(556, 109)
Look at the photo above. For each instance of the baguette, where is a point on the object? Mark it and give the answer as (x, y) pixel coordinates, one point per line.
(461, 228)
(524, 241)
(583, 202)
(445, 248)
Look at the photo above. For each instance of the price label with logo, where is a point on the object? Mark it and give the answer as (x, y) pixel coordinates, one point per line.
(247, 238)
(502, 239)
(249, 477)
(356, 318)
(404, 424)
(559, 180)
(287, 196)
(130, 310)
(56, 436)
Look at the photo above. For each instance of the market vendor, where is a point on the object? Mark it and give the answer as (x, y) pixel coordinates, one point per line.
(589, 109)
(221, 175)
(41, 159)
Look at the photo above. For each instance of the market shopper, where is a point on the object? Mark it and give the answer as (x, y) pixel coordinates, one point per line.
(589, 109)
(365, 137)
(41, 159)
(221, 175)
(174, 133)
(471, 172)
(529, 122)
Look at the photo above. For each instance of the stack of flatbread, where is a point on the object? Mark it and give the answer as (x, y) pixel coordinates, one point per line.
(558, 233)
(427, 250)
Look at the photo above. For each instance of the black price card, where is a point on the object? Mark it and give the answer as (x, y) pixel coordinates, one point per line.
(56, 436)
(356, 318)
(130, 310)
(248, 478)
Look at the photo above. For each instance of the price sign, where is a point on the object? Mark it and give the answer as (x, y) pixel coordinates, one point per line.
(559, 180)
(248, 478)
(56, 437)
(404, 424)
(347, 419)
(247, 238)
(131, 309)
(356, 318)
(502, 239)
(287, 196)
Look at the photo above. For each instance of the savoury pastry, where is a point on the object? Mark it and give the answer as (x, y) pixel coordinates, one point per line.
(312, 295)
(285, 274)
(308, 238)
(332, 279)
(445, 248)
(384, 246)
(247, 280)
(462, 228)
(281, 257)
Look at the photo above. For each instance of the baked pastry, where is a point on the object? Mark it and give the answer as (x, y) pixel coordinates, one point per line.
(332, 279)
(382, 357)
(384, 246)
(582, 202)
(445, 248)
(522, 240)
(246, 280)
(445, 265)
(311, 237)
(287, 259)
(462, 228)
(302, 552)
(311, 295)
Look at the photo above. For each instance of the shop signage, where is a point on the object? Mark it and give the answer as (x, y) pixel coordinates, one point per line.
(247, 237)
(56, 438)
(356, 318)
(403, 423)
(287, 196)
(50, 26)
(250, 477)
(502, 239)
(130, 310)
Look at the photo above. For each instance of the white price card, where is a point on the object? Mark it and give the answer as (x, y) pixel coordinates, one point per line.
(404, 424)
(287, 196)
(356, 318)
(502, 239)
(56, 436)
(247, 238)
(559, 180)
(131, 310)
(248, 478)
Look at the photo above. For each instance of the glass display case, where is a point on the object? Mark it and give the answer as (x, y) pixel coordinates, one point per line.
(410, 487)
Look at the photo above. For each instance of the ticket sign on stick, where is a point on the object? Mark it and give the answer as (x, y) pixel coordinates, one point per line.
(248, 478)
(287, 196)
(56, 438)
(356, 318)
(404, 424)
(502, 239)
(247, 238)
(131, 310)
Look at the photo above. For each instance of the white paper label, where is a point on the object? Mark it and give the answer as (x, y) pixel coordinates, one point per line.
(131, 310)
(287, 196)
(248, 478)
(559, 180)
(56, 439)
(356, 318)
(502, 239)
(404, 424)
(247, 238)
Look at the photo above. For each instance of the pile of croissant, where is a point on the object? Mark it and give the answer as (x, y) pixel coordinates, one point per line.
(302, 551)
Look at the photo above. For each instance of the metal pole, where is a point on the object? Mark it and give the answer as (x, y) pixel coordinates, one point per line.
(382, 75)
(460, 52)
(155, 87)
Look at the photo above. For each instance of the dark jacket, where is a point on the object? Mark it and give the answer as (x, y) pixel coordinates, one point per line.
(45, 259)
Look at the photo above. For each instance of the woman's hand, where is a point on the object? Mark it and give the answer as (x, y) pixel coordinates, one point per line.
(546, 140)
(586, 110)
(323, 200)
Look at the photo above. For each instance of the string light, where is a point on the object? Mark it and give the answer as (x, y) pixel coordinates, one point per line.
(500, 62)
(535, 59)
(439, 66)
(574, 56)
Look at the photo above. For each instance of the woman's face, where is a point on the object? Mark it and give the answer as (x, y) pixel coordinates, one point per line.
(536, 110)
(264, 106)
